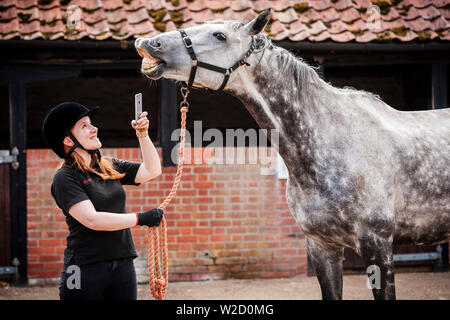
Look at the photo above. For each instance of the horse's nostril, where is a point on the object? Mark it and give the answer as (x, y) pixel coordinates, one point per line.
(155, 43)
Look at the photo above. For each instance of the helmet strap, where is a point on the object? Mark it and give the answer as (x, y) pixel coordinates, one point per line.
(77, 144)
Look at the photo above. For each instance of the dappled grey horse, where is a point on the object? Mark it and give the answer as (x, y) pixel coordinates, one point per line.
(361, 174)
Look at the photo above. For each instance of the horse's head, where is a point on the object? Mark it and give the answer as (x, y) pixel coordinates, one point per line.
(221, 44)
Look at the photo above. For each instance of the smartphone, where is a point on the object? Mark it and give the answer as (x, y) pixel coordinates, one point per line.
(137, 105)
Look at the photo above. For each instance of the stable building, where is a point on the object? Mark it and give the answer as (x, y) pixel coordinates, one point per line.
(227, 220)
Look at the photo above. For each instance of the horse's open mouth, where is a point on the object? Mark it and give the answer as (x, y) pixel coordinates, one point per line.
(149, 64)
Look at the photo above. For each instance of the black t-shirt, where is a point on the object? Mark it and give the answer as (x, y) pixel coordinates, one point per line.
(84, 245)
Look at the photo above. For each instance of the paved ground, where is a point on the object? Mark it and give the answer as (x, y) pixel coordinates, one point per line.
(411, 286)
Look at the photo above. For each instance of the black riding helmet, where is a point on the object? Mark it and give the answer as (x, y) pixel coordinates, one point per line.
(58, 122)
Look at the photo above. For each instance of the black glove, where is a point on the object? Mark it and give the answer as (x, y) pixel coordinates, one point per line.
(150, 218)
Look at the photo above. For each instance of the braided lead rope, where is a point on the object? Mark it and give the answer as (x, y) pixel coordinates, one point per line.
(158, 282)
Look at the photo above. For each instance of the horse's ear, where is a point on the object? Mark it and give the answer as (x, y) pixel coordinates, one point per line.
(257, 25)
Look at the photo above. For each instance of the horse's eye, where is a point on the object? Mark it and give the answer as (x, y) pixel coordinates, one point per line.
(220, 36)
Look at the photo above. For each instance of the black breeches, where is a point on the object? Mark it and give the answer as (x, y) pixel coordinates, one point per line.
(106, 280)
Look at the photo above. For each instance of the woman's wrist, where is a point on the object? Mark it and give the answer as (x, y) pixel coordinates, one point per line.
(141, 134)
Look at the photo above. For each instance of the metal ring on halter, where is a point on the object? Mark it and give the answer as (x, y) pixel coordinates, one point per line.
(184, 104)
(184, 92)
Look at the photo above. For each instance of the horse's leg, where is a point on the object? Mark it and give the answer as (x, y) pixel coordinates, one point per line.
(377, 254)
(327, 263)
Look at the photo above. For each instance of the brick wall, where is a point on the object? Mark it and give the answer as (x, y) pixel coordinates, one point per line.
(227, 221)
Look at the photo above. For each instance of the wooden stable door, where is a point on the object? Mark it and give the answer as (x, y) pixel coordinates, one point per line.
(5, 216)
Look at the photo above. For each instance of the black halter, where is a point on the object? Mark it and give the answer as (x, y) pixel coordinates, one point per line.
(195, 63)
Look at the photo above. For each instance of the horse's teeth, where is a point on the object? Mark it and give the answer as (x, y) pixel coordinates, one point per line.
(148, 63)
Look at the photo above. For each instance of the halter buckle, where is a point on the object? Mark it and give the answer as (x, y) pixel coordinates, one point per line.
(186, 44)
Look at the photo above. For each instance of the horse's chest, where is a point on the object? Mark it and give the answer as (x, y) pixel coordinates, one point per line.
(317, 219)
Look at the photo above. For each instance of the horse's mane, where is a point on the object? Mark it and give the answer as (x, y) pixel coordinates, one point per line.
(304, 75)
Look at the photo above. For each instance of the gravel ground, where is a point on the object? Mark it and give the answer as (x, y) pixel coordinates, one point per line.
(409, 286)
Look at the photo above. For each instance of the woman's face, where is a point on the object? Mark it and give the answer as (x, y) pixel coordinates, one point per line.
(86, 134)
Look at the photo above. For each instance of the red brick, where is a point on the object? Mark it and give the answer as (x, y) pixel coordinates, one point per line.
(220, 238)
(191, 223)
(216, 223)
(199, 169)
(201, 185)
(203, 231)
(186, 238)
(50, 242)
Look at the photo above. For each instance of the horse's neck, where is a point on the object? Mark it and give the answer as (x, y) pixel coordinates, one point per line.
(278, 102)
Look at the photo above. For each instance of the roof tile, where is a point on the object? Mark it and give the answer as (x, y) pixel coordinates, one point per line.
(8, 3)
(240, 5)
(412, 13)
(343, 4)
(329, 15)
(115, 16)
(445, 13)
(343, 37)
(391, 15)
(279, 5)
(440, 3)
(420, 3)
(114, 4)
(8, 14)
(297, 20)
(338, 27)
(25, 4)
(429, 12)
(286, 16)
(261, 4)
(310, 15)
(409, 36)
(133, 5)
(300, 36)
(217, 5)
(418, 25)
(446, 35)
(320, 5)
(205, 15)
(90, 5)
(362, 4)
(276, 27)
(317, 28)
(138, 16)
(94, 17)
(198, 5)
(297, 27)
(440, 24)
(350, 15)
(366, 37)
(320, 37)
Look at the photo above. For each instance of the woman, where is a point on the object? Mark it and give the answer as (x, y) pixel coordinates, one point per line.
(98, 259)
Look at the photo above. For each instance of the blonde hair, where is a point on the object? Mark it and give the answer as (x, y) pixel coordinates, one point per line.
(107, 170)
